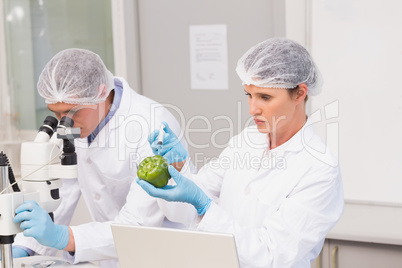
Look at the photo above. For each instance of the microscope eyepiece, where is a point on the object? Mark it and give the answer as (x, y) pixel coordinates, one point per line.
(49, 127)
(51, 122)
(66, 121)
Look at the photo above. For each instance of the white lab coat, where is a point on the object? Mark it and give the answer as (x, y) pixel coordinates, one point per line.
(106, 180)
(279, 204)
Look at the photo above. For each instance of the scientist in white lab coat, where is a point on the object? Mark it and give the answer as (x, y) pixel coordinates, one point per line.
(115, 122)
(268, 187)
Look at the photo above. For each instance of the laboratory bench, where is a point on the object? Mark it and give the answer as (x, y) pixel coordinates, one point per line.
(367, 235)
(48, 261)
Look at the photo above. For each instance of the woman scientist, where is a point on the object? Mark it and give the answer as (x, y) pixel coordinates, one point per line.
(276, 197)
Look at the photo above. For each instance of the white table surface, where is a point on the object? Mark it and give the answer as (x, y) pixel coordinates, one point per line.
(51, 261)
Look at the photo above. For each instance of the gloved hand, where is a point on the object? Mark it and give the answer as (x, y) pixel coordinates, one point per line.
(184, 191)
(36, 223)
(171, 150)
(19, 252)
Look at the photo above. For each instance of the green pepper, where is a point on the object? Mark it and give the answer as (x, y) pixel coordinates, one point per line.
(154, 170)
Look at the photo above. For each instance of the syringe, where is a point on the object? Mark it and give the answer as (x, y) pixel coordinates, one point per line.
(161, 134)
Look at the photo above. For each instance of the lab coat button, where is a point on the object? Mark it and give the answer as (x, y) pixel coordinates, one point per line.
(89, 161)
(97, 196)
(247, 191)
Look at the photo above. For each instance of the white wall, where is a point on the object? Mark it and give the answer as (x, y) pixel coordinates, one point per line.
(357, 44)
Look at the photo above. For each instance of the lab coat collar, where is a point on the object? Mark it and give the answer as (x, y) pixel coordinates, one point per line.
(102, 139)
(298, 141)
(120, 115)
(125, 104)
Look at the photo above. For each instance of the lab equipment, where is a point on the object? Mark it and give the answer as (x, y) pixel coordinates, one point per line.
(172, 150)
(42, 152)
(41, 172)
(6, 240)
(77, 69)
(184, 191)
(160, 138)
(8, 171)
(161, 134)
(279, 63)
(137, 246)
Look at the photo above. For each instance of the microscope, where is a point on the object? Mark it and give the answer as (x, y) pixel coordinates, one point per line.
(43, 165)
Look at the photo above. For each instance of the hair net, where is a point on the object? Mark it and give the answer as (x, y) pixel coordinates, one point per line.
(74, 76)
(279, 63)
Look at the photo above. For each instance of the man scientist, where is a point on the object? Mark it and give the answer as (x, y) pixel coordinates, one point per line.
(115, 122)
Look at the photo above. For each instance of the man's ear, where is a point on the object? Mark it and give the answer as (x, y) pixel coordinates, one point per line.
(102, 91)
(301, 93)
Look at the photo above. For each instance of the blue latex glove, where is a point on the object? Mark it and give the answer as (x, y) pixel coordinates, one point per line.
(18, 253)
(36, 223)
(171, 150)
(184, 191)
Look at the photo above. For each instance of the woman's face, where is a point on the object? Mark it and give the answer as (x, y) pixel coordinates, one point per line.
(273, 109)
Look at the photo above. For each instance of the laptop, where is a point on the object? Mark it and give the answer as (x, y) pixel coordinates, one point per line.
(152, 247)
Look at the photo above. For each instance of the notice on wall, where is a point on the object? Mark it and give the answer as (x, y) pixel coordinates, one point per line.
(209, 57)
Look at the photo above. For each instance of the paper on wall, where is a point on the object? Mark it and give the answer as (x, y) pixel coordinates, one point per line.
(209, 57)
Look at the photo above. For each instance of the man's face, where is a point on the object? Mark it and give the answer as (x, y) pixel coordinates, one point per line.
(86, 117)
